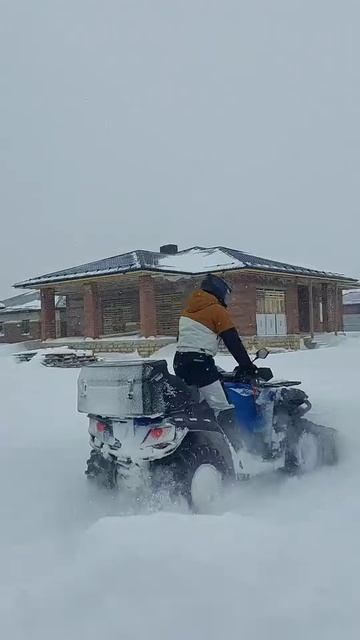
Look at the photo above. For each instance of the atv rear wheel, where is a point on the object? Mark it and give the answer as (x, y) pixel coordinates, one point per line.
(307, 452)
(328, 442)
(315, 446)
(206, 487)
(197, 473)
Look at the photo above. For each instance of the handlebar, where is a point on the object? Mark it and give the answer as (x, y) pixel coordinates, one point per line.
(264, 374)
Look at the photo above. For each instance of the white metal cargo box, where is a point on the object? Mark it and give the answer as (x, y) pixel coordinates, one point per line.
(122, 388)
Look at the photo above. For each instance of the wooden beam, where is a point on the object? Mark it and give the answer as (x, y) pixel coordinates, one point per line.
(311, 308)
(336, 309)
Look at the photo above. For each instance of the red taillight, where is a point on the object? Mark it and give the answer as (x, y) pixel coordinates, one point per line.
(156, 433)
(158, 436)
(100, 427)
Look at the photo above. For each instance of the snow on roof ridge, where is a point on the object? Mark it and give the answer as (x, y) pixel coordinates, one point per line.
(211, 259)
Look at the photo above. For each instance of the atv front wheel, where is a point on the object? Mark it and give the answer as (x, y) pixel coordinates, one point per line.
(206, 487)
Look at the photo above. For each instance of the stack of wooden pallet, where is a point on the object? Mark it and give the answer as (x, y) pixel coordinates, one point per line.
(69, 360)
(25, 356)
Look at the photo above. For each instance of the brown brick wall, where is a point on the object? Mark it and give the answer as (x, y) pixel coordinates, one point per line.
(48, 318)
(12, 332)
(115, 306)
(340, 326)
(74, 315)
(119, 306)
(92, 311)
(243, 303)
(148, 310)
(350, 309)
(292, 308)
(332, 321)
(170, 299)
(35, 330)
(331, 307)
(316, 303)
(324, 297)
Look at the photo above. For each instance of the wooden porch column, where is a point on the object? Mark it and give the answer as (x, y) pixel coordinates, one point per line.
(148, 320)
(48, 319)
(311, 308)
(325, 306)
(91, 311)
(340, 310)
(336, 309)
(317, 318)
(292, 308)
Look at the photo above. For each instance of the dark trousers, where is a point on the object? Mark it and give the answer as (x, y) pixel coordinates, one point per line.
(196, 369)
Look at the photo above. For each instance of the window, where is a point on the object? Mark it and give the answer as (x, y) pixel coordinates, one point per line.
(25, 327)
(1, 328)
(269, 301)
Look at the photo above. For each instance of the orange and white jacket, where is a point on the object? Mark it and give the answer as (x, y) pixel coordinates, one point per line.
(203, 323)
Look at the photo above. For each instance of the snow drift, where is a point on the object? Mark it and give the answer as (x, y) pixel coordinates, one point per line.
(279, 561)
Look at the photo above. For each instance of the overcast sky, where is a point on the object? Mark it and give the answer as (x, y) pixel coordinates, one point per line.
(130, 124)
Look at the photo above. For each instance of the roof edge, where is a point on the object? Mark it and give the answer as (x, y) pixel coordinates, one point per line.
(36, 284)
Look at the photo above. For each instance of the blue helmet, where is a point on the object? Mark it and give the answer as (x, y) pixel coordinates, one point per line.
(217, 287)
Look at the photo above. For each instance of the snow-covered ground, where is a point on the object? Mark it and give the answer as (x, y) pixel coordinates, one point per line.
(281, 559)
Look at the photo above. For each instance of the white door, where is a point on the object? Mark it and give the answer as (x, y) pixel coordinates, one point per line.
(261, 324)
(270, 316)
(281, 329)
(270, 324)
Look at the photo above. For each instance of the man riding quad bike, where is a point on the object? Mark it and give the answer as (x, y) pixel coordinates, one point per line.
(204, 322)
(198, 430)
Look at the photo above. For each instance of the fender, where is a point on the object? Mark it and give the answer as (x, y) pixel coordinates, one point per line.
(217, 440)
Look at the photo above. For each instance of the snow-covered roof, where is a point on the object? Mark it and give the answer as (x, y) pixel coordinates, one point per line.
(194, 261)
(27, 302)
(352, 297)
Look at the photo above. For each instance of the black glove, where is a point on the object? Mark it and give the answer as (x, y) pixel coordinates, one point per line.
(246, 372)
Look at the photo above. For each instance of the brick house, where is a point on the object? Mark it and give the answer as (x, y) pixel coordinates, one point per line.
(143, 292)
(20, 318)
(351, 302)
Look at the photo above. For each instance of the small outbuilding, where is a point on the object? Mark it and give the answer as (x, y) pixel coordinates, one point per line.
(351, 302)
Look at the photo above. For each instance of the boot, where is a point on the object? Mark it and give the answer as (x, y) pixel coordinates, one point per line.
(228, 423)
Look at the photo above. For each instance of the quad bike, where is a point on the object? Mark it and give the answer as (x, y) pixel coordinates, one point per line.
(147, 428)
